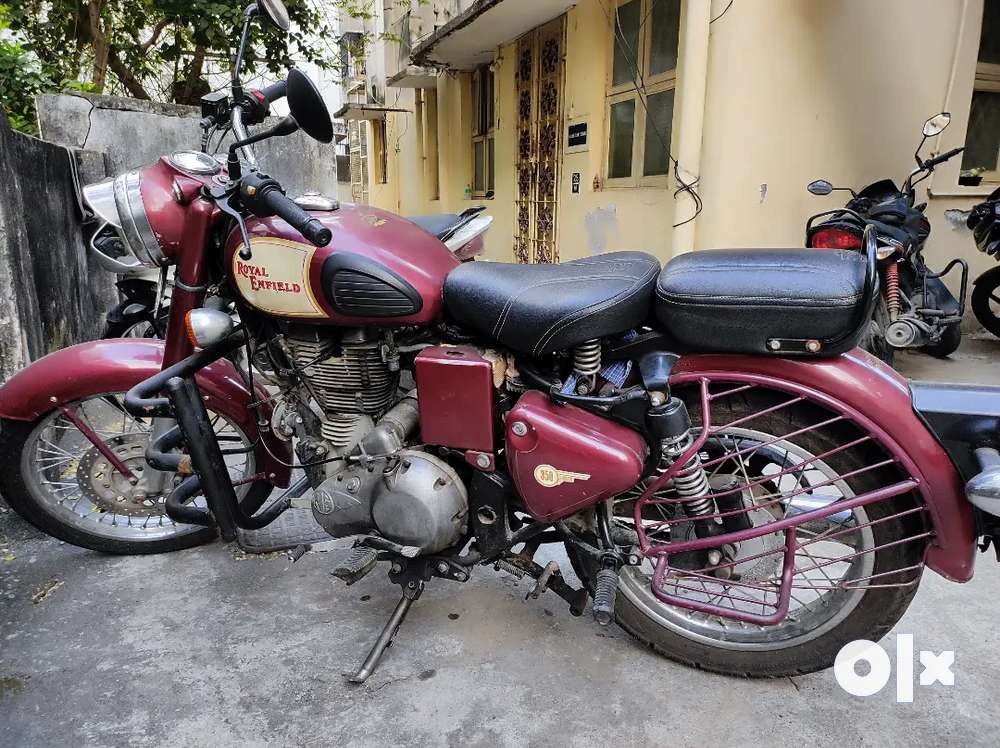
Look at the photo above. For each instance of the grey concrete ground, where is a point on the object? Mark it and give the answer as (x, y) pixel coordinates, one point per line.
(206, 648)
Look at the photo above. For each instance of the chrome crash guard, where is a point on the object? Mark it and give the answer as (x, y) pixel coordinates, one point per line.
(173, 393)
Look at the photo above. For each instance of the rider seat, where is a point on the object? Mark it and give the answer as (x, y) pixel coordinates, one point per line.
(539, 309)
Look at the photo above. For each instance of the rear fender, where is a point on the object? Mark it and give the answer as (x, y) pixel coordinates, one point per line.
(118, 364)
(878, 399)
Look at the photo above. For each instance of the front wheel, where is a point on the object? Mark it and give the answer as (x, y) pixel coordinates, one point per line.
(57, 480)
(854, 574)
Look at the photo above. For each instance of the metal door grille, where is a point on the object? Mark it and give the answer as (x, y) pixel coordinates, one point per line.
(539, 85)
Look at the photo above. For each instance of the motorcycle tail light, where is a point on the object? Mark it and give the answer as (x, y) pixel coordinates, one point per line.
(835, 239)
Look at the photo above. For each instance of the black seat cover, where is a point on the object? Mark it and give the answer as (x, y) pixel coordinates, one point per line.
(765, 300)
(437, 224)
(543, 308)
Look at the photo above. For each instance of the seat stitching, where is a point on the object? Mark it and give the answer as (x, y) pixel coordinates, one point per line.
(509, 305)
(582, 314)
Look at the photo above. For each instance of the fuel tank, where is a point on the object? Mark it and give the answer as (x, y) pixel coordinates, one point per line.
(379, 269)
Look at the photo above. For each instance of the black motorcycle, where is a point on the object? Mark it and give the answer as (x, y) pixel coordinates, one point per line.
(915, 309)
(984, 220)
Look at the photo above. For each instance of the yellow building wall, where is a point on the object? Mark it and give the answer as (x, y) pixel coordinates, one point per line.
(796, 91)
(834, 89)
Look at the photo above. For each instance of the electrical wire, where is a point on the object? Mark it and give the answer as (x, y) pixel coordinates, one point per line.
(724, 11)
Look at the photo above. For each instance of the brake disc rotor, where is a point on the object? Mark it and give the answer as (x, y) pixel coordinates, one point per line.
(109, 490)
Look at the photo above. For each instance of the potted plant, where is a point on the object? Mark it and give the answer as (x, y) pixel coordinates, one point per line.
(971, 177)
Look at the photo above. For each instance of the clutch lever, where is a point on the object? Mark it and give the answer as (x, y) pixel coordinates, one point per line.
(224, 197)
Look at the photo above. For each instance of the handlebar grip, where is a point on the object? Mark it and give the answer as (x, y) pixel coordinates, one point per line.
(941, 158)
(284, 207)
(275, 91)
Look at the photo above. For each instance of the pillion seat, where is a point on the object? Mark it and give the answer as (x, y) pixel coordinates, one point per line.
(539, 309)
(812, 302)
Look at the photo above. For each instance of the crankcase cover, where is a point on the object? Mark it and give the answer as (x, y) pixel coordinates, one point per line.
(421, 503)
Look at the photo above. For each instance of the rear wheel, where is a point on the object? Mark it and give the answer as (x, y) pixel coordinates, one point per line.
(873, 339)
(951, 338)
(57, 480)
(986, 300)
(855, 572)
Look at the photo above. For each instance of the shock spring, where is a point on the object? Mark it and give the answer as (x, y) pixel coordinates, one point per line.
(892, 295)
(587, 358)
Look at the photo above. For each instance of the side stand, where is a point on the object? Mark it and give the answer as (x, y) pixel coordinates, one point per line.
(410, 595)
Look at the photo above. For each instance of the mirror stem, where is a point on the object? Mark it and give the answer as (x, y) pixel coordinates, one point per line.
(248, 17)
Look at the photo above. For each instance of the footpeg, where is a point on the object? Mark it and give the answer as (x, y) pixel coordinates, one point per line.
(605, 592)
(356, 566)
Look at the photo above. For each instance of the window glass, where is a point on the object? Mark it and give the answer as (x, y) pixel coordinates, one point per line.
(982, 141)
(479, 179)
(989, 39)
(665, 27)
(620, 152)
(660, 112)
(626, 42)
(490, 160)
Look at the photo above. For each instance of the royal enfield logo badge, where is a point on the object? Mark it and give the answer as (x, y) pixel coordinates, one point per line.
(276, 280)
(550, 477)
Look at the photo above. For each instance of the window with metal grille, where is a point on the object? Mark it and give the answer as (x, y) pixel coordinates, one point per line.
(483, 149)
(640, 92)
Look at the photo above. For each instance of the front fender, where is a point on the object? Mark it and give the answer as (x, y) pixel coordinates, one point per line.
(878, 399)
(118, 364)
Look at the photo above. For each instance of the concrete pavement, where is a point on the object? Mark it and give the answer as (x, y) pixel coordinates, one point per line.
(204, 647)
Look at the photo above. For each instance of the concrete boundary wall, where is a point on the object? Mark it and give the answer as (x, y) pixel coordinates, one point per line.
(51, 293)
(134, 133)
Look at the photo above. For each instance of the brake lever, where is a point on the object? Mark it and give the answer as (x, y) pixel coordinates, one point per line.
(223, 197)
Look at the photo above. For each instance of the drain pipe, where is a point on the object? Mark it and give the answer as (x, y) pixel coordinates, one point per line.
(691, 118)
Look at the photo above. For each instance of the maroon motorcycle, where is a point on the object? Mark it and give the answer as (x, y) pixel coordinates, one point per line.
(733, 481)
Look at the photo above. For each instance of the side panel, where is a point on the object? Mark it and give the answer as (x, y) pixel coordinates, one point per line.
(117, 364)
(878, 399)
(563, 458)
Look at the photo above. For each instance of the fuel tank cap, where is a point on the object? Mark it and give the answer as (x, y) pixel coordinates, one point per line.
(316, 201)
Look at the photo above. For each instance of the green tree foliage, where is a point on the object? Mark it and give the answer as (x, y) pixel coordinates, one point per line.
(148, 49)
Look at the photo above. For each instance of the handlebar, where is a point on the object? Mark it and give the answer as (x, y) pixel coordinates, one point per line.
(942, 157)
(264, 197)
(274, 92)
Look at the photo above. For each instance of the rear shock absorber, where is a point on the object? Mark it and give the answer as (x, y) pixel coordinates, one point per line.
(671, 424)
(893, 301)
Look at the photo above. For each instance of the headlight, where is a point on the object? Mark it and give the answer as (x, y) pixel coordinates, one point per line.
(119, 203)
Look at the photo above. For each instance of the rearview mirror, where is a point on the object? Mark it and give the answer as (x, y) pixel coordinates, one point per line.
(276, 13)
(936, 124)
(820, 187)
(307, 107)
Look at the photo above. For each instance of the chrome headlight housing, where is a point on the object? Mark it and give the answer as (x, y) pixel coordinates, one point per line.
(118, 202)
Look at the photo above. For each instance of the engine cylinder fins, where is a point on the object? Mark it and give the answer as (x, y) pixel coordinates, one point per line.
(344, 430)
(356, 381)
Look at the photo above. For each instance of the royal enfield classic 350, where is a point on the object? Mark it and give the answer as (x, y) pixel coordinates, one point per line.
(914, 307)
(734, 482)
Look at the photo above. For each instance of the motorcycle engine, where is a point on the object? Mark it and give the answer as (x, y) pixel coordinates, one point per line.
(409, 496)
(349, 378)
